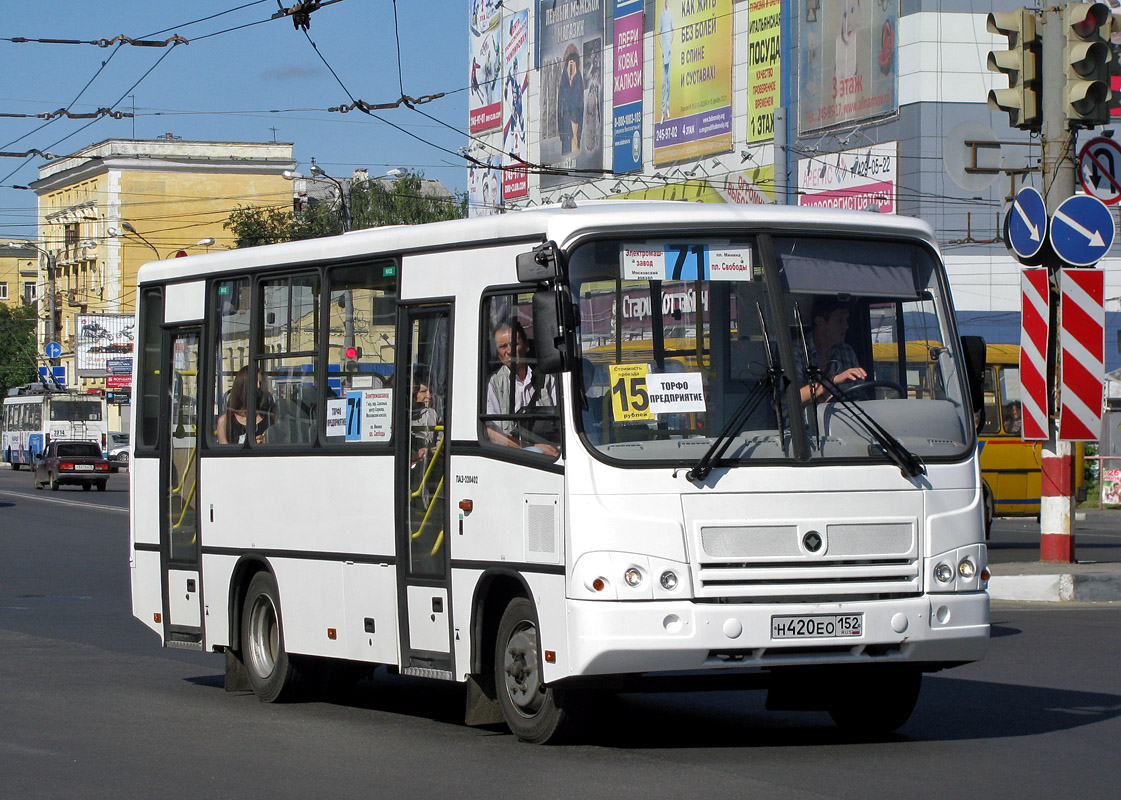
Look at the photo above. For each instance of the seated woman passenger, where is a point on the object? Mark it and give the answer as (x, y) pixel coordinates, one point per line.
(232, 425)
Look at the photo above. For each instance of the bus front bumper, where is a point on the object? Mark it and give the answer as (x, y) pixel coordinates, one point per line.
(612, 637)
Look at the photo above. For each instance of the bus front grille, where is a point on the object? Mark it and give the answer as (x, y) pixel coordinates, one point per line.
(808, 561)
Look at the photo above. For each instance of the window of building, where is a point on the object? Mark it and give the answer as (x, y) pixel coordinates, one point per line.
(3, 290)
(29, 293)
(518, 404)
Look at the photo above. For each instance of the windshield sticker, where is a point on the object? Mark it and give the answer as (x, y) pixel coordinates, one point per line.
(336, 416)
(686, 262)
(377, 424)
(729, 264)
(675, 392)
(643, 264)
(629, 400)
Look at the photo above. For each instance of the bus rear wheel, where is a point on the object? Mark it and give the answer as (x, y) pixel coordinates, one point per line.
(272, 674)
(535, 713)
(875, 700)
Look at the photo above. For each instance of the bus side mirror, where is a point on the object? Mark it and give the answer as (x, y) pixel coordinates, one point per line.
(552, 315)
(539, 265)
(973, 354)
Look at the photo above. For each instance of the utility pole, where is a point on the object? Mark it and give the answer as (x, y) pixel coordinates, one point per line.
(1057, 64)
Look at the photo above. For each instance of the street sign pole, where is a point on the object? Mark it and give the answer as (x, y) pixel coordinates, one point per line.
(1056, 512)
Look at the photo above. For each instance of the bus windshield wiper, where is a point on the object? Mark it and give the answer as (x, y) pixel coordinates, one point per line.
(720, 444)
(909, 464)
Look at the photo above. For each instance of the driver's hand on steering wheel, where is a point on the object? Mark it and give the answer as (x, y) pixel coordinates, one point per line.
(851, 374)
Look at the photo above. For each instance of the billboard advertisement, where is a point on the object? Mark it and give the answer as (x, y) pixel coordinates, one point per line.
(692, 78)
(483, 188)
(764, 48)
(863, 179)
(570, 38)
(848, 69)
(100, 338)
(485, 104)
(515, 89)
(626, 99)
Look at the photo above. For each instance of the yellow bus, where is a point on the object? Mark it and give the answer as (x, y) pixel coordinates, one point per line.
(1010, 467)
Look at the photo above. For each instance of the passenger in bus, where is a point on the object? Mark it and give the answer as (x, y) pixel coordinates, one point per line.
(1012, 413)
(232, 424)
(828, 349)
(514, 388)
(424, 418)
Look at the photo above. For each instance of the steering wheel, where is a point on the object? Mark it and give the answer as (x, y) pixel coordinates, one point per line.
(866, 388)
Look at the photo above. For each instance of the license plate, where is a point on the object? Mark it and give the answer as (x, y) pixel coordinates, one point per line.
(84, 467)
(817, 626)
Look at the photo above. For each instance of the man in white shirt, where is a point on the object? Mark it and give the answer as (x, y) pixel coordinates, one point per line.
(515, 377)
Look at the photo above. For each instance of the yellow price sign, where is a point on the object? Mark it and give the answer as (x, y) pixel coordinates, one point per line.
(629, 399)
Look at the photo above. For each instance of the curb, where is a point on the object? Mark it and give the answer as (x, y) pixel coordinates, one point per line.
(1057, 588)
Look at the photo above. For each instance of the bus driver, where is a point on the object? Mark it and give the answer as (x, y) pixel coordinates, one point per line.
(828, 350)
(516, 376)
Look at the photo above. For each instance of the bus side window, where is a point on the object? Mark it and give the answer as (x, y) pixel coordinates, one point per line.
(518, 404)
(231, 310)
(286, 361)
(361, 303)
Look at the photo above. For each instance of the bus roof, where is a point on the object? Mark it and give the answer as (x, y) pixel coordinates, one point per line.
(553, 223)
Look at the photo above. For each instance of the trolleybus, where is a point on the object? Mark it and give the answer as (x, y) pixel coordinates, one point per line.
(34, 415)
(564, 450)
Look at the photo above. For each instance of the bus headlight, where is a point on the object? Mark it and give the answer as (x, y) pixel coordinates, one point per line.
(669, 580)
(633, 577)
(967, 569)
(944, 573)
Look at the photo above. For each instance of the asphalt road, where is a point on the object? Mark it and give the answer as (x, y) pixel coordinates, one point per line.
(1097, 537)
(92, 707)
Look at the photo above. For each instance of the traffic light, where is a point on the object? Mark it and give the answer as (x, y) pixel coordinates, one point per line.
(1021, 63)
(351, 356)
(1086, 58)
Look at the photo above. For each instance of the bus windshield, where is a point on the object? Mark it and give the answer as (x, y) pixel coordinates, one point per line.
(75, 410)
(792, 349)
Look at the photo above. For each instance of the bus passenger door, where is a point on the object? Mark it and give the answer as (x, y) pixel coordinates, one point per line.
(179, 540)
(423, 404)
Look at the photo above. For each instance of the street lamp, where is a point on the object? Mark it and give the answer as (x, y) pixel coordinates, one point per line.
(52, 301)
(318, 173)
(112, 231)
(182, 251)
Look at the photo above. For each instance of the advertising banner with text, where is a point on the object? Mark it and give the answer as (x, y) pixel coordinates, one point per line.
(627, 95)
(764, 46)
(570, 38)
(484, 103)
(863, 179)
(692, 79)
(848, 69)
(515, 89)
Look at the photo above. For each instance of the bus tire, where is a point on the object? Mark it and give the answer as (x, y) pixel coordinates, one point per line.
(535, 713)
(272, 673)
(875, 700)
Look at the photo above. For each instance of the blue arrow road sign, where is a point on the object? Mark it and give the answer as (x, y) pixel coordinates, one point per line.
(1027, 223)
(1082, 230)
(54, 349)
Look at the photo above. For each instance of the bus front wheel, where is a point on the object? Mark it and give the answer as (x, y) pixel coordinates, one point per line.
(875, 700)
(272, 674)
(535, 713)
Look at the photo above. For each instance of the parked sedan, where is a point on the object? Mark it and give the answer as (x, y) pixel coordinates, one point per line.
(119, 451)
(72, 462)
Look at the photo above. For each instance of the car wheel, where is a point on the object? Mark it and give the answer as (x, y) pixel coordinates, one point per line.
(86, 487)
(54, 483)
(101, 486)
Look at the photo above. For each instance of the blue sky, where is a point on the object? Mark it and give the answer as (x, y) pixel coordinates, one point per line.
(237, 85)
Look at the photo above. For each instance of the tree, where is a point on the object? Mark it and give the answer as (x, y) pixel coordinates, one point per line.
(372, 203)
(17, 346)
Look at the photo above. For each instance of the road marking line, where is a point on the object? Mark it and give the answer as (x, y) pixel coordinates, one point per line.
(60, 501)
